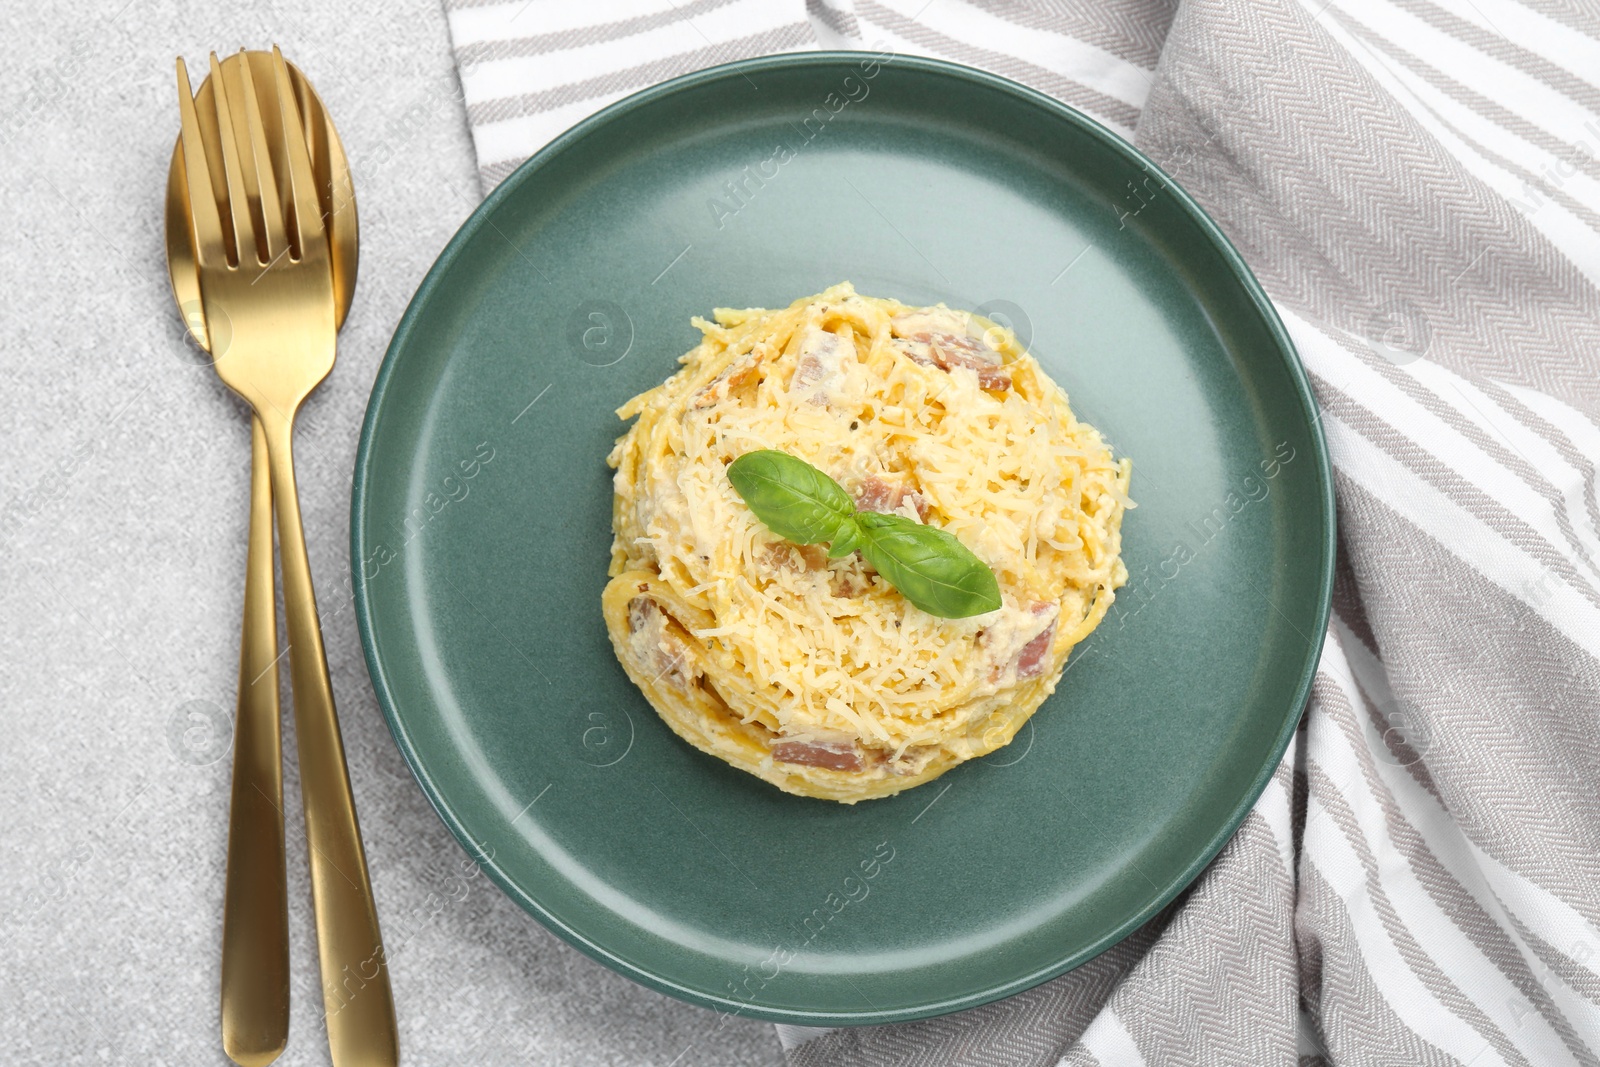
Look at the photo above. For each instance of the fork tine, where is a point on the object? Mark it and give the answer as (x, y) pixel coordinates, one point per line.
(233, 168)
(247, 158)
(205, 224)
(310, 237)
(266, 182)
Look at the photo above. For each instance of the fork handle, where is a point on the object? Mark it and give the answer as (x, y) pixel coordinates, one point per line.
(358, 1003)
(255, 913)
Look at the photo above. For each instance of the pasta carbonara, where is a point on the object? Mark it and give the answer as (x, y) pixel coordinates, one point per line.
(812, 673)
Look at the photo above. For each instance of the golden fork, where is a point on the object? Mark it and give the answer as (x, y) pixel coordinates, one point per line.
(265, 269)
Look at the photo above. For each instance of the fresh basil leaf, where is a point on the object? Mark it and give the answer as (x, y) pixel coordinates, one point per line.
(930, 566)
(794, 499)
(846, 541)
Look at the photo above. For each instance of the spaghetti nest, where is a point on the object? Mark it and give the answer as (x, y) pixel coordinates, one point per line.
(816, 674)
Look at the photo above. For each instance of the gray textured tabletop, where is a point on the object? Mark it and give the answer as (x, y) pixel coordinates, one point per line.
(124, 478)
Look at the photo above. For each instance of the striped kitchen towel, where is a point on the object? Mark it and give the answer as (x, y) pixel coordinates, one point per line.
(531, 68)
(1417, 185)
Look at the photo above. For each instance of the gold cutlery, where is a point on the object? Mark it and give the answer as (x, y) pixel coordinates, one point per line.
(255, 935)
(274, 280)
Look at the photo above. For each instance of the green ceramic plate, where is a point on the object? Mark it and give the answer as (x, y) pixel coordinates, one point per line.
(482, 514)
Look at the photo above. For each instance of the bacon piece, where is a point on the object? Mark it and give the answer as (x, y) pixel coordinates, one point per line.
(821, 368)
(655, 644)
(1030, 661)
(936, 337)
(835, 756)
(875, 494)
(847, 583)
(642, 611)
(953, 350)
(739, 373)
(780, 555)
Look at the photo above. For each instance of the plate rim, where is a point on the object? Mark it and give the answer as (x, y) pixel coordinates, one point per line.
(1086, 125)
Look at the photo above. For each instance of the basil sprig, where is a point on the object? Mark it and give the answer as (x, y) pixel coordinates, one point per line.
(929, 566)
